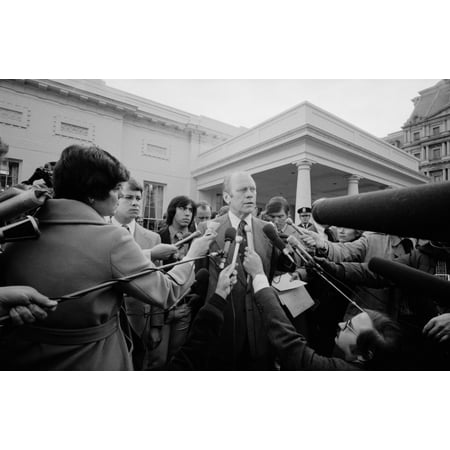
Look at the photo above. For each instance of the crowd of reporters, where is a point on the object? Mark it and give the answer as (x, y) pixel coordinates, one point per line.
(98, 291)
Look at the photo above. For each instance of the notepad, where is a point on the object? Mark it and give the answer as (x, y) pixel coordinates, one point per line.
(293, 294)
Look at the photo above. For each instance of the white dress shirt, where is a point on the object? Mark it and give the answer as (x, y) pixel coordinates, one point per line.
(131, 226)
(235, 221)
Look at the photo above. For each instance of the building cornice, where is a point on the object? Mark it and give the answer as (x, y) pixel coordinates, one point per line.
(314, 133)
(129, 106)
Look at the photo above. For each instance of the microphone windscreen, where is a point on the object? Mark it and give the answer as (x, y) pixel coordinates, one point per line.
(19, 231)
(418, 211)
(230, 234)
(292, 240)
(200, 285)
(272, 234)
(20, 202)
(412, 279)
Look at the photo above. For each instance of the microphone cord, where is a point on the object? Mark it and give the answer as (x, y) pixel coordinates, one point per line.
(324, 275)
(309, 261)
(126, 279)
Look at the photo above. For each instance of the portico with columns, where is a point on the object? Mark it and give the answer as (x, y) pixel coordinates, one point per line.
(304, 154)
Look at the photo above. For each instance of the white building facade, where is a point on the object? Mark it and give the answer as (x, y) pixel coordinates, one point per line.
(303, 154)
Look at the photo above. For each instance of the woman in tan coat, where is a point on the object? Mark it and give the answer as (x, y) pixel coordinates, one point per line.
(77, 249)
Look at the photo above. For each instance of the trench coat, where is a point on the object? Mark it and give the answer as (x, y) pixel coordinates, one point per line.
(77, 249)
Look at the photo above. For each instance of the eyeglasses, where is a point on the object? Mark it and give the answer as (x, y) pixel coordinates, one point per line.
(349, 326)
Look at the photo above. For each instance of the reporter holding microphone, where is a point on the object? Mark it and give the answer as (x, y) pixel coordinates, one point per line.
(77, 249)
(24, 304)
(370, 340)
(169, 332)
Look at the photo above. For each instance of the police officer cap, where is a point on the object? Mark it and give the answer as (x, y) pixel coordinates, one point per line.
(304, 210)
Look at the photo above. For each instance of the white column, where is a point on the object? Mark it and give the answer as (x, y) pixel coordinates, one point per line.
(352, 186)
(303, 192)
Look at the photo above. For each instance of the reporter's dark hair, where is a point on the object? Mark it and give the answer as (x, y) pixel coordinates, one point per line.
(381, 346)
(276, 204)
(180, 201)
(87, 172)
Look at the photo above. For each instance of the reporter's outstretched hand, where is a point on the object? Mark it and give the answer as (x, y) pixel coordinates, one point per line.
(162, 251)
(200, 246)
(330, 267)
(312, 239)
(178, 313)
(438, 328)
(155, 337)
(227, 279)
(24, 304)
(252, 263)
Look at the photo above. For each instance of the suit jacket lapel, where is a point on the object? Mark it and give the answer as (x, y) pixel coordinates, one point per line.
(263, 245)
(139, 237)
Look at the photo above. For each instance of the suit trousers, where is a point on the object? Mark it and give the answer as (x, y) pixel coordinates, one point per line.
(173, 336)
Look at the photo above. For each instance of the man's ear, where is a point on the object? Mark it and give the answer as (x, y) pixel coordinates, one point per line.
(226, 198)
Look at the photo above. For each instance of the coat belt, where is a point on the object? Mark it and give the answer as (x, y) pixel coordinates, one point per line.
(77, 336)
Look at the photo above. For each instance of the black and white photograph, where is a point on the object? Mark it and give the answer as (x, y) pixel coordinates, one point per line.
(224, 225)
(173, 240)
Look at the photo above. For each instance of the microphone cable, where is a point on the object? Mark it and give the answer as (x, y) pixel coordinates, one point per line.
(125, 279)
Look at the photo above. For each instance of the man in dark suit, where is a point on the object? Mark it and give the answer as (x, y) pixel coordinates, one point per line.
(243, 343)
(138, 313)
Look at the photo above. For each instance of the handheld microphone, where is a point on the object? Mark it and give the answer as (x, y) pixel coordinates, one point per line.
(200, 286)
(189, 238)
(239, 239)
(230, 236)
(290, 222)
(15, 202)
(212, 225)
(418, 211)
(19, 231)
(272, 234)
(412, 279)
(308, 259)
(302, 252)
(250, 242)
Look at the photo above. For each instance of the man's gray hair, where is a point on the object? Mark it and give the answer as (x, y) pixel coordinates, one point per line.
(226, 187)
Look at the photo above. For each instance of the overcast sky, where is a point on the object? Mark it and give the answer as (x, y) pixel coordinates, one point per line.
(377, 106)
